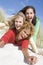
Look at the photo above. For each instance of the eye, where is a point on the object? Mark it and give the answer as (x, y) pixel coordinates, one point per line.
(31, 13)
(20, 21)
(27, 13)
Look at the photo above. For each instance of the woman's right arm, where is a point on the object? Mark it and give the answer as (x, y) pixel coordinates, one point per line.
(6, 38)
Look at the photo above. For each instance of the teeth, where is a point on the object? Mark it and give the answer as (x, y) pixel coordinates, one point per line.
(29, 18)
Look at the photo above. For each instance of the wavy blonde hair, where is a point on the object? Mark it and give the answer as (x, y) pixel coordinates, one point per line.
(19, 14)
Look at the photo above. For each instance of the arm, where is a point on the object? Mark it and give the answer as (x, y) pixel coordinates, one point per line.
(22, 35)
(37, 26)
(30, 59)
(34, 37)
(6, 38)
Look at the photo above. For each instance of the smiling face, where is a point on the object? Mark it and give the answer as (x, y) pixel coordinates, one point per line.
(29, 14)
(18, 22)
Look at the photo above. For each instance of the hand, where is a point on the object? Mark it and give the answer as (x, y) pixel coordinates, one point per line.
(41, 53)
(2, 43)
(23, 34)
(32, 60)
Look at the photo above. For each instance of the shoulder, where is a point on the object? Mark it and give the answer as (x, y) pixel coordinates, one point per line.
(11, 31)
(37, 21)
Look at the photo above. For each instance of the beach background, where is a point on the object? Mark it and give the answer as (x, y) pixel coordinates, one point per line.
(11, 7)
(10, 54)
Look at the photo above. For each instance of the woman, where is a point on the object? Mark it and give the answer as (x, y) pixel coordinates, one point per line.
(30, 14)
(11, 34)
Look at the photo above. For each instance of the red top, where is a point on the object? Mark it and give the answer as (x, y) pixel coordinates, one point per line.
(10, 36)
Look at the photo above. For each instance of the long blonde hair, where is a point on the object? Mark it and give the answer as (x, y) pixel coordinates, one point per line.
(26, 25)
(16, 16)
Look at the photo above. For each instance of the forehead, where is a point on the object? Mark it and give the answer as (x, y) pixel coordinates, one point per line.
(19, 18)
(29, 10)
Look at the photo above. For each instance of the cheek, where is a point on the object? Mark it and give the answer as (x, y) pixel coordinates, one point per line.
(32, 15)
(21, 25)
(26, 16)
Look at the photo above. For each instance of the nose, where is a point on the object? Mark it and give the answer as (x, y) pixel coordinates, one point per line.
(29, 15)
(17, 23)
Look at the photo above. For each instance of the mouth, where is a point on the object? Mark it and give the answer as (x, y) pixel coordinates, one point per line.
(29, 18)
(17, 27)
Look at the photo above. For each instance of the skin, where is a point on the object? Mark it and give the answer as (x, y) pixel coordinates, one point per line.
(18, 24)
(29, 16)
(2, 43)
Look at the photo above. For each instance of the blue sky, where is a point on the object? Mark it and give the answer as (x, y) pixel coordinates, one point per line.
(13, 6)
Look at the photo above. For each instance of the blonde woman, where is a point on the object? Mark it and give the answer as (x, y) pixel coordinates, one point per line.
(11, 36)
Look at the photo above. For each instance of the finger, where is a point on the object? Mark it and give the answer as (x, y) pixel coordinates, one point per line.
(24, 35)
(29, 60)
(20, 37)
(27, 32)
(34, 60)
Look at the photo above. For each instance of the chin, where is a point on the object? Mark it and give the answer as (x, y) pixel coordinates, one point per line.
(18, 28)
